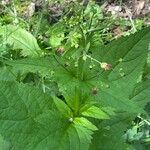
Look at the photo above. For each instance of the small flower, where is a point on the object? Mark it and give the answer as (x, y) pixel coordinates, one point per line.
(105, 66)
(90, 66)
(60, 50)
(94, 90)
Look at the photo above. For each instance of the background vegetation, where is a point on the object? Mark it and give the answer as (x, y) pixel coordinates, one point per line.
(74, 75)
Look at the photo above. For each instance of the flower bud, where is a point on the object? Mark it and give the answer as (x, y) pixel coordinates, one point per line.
(60, 50)
(70, 119)
(94, 90)
(105, 66)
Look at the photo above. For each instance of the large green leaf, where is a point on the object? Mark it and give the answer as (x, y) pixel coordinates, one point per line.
(141, 95)
(41, 65)
(7, 74)
(20, 39)
(4, 145)
(110, 134)
(29, 120)
(128, 57)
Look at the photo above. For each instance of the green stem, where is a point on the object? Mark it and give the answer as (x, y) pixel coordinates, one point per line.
(77, 101)
(93, 59)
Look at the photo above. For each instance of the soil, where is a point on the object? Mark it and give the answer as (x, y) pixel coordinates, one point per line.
(128, 9)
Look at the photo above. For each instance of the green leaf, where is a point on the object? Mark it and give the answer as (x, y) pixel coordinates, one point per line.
(116, 89)
(109, 110)
(110, 135)
(86, 123)
(20, 39)
(55, 41)
(141, 95)
(56, 35)
(95, 112)
(4, 145)
(41, 65)
(62, 107)
(7, 74)
(128, 56)
(82, 140)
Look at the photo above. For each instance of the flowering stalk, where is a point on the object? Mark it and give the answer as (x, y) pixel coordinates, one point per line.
(103, 65)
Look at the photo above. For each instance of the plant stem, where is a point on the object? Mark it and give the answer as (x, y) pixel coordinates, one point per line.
(93, 59)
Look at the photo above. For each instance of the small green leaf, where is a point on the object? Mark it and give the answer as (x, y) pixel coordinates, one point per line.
(55, 41)
(95, 112)
(62, 107)
(86, 123)
(56, 35)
